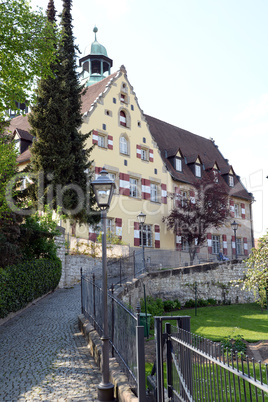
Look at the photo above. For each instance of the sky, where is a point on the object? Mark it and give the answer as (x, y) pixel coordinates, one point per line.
(201, 65)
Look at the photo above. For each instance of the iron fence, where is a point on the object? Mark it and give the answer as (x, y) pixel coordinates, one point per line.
(121, 323)
(201, 370)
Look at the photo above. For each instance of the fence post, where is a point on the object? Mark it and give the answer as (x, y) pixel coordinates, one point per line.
(112, 332)
(81, 273)
(169, 361)
(120, 272)
(159, 359)
(134, 262)
(186, 356)
(94, 301)
(140, 358)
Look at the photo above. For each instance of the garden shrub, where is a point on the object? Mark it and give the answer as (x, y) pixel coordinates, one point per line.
(189, 303)
(155, 307)
(202, 303)
(235, 344)
(22, 283)
(171, 305)
(212, 302)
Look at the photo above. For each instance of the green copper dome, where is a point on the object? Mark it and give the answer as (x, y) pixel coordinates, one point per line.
(96, 47)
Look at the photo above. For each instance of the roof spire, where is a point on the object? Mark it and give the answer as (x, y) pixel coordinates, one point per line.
(95, 30)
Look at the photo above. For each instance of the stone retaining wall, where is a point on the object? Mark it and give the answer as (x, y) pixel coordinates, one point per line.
(213, 281)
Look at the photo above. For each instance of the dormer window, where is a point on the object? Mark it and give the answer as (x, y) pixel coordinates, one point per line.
(197, 170)
(216, 176)
(231, 180)
(178, 164)
(17, 145)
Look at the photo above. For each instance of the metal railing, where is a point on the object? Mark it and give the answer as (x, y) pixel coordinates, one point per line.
(201, 370)
(125, 335)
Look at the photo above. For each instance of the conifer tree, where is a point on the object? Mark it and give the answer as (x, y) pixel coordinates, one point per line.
(58, 154)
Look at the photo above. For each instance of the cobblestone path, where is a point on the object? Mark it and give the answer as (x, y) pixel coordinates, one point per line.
(43, 355)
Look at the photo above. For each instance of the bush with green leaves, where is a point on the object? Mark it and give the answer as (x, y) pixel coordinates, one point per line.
(171, 305)
(38, 232)
(235, 344)
(22, 283)
(189, 303)
(155, 307)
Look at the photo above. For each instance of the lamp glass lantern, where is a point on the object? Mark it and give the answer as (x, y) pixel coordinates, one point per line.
(103, 188)
(234, 225)
(141, 218)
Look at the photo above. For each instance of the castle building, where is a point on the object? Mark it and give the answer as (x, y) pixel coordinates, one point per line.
(148, 159)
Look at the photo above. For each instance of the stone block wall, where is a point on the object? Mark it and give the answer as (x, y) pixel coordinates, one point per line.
(213, 281)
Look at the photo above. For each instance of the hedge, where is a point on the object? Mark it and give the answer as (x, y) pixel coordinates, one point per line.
(22, 283)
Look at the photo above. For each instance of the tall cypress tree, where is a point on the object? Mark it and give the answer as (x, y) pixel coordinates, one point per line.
(58, 154)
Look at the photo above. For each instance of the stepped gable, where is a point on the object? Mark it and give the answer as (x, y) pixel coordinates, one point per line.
(171, 139)
(93, 92)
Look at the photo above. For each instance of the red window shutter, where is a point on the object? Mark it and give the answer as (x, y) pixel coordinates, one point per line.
(124, 188)
(177, 197)
(243, 211)
(157, 236)
(145, 189)
(198, 249)
(209, 239)
(151, 155)
(233, 245)
(232, 208)
(245, 241)
(164, 193)
(123, 120)
(95, 137)
(224, 244)
(138, 151)
(98, 170)
(136, 234)
(118, 227)
(178, 242)
(192, 196)
(91, 234)
(110, 142)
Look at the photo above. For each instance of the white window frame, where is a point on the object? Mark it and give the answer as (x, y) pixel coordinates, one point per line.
(133, 187)
(236, 211)
(110, 229)
(197, 170)
(102, 143)
(184, 244)
(154, 192)
(123, 145)
(178, 164)
(239, 247)
(216, 244)
(147, 235)
(231, 180)
(144, 154)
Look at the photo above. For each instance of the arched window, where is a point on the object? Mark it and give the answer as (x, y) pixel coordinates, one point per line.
(123, 118)
(124, 145)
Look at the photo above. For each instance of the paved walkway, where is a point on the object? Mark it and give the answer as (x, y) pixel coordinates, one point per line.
(43, 356)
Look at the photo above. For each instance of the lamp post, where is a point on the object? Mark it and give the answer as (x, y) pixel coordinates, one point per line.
(141, 219)
(103, 188)
(235, 227)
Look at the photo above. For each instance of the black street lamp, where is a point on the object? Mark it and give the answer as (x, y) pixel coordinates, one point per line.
(141, 219)
(235, 227)
(103, 188)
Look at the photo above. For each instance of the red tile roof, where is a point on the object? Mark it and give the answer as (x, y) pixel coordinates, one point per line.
(25, 156)
(170, 139)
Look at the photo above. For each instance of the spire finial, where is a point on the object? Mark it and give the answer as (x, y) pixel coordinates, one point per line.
(95, 30)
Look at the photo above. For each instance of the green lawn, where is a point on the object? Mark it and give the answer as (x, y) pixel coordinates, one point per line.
(218, 322)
